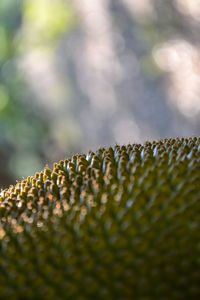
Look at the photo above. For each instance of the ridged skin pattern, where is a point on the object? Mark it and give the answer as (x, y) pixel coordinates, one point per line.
(120, 223)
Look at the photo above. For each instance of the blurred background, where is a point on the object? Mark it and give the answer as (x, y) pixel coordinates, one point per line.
(80, 74)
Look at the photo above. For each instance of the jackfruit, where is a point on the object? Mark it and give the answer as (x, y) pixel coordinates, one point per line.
(118, 223)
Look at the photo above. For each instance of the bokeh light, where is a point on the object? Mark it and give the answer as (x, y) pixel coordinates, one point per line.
(78, 75)
(181, 60)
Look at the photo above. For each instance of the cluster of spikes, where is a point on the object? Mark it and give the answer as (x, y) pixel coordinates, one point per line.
(120, 223)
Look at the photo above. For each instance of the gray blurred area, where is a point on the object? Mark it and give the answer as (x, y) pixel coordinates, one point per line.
(84, 74)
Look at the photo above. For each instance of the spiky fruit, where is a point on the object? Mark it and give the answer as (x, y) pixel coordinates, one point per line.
(121, 223)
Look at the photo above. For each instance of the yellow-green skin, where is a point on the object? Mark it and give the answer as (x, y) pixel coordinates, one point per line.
(121, 223)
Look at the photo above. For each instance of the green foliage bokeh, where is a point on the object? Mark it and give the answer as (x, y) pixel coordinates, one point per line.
(25, 26)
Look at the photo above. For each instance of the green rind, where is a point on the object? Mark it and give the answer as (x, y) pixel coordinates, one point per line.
(121, 223)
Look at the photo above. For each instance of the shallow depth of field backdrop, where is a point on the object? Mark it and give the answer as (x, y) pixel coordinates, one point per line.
(80, 74)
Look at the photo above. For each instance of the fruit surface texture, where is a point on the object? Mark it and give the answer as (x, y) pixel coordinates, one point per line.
(119, 223)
